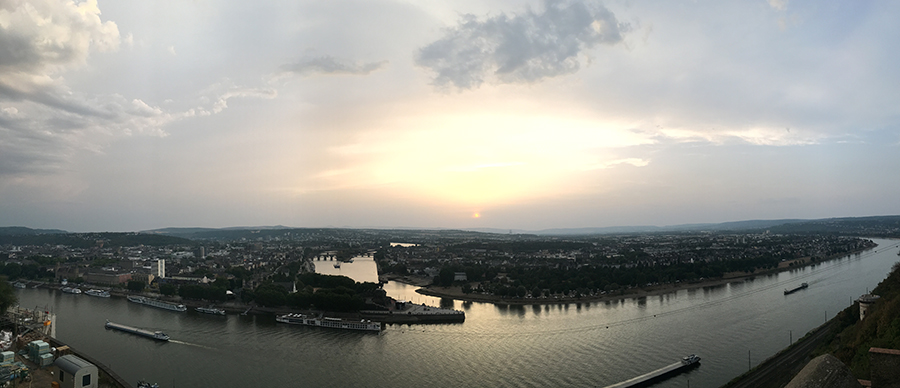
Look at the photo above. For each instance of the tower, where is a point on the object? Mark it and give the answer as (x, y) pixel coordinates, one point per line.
(864, 302)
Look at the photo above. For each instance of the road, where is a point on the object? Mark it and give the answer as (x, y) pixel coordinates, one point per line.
(777, 371)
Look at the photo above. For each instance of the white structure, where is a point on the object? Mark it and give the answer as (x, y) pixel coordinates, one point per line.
(75, 372)
(158, 268)
(864, 302)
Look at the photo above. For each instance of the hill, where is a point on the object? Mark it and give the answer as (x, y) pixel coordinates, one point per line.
(852, 338)
(23, 231)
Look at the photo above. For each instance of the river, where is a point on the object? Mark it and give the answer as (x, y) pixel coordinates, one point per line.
(573, 345)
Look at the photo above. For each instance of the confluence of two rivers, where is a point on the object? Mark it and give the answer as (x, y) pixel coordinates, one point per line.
(573, 345)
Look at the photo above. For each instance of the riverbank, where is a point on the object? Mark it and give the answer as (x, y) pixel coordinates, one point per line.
(455, 292)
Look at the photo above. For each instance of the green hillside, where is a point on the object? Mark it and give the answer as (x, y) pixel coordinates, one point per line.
(881, 328)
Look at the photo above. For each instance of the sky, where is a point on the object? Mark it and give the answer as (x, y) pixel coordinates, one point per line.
(136, 115)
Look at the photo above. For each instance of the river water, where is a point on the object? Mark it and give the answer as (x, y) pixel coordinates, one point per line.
(574, 345)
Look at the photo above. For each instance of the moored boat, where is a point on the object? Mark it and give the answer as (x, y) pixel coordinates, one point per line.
(210, 310)
(334, 323)
(157, 303)
(70, 290)
(19, 285)
(98, 293)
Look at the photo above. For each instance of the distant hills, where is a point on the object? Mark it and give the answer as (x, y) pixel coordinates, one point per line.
(23, 231)
(875, 226)
(735, 225)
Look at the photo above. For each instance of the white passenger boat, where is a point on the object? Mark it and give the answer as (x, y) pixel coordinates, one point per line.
(157, 303)
(98, 293)
(334, 323)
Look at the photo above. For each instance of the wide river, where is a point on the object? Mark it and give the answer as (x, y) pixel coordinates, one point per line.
(573, 345)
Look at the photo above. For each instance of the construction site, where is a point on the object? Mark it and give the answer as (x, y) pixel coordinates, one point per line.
(31, 356)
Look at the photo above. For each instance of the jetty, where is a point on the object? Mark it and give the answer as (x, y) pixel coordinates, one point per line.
(686, 363)
(157, 335)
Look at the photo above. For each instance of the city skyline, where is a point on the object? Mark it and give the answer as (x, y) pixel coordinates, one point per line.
(499, 114)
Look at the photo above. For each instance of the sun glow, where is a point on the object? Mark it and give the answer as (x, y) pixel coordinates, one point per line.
(480, 158)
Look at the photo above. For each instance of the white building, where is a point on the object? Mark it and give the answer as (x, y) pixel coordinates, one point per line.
(158, 268)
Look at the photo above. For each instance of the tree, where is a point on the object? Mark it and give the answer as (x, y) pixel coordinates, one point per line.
(136, 285)
(446, 276)
(167, 289)
(520, 291)
(7, 296)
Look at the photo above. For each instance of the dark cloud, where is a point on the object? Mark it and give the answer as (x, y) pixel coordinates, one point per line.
(330, 65)
(520, 48)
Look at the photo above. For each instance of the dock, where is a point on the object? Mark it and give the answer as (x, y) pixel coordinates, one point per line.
(686, 363)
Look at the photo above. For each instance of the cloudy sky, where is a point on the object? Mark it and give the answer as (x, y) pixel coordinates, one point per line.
(132, 115)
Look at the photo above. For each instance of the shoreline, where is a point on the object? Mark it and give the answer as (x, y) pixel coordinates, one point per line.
(455, 292)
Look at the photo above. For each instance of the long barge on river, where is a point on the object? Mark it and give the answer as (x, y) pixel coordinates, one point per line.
(334, 323)
(795, 289)
(686, 363)
(157, 303)
(157, 335)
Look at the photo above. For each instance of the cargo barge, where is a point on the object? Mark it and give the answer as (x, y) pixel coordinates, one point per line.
(157, 335)
(643, 380)
(798, 288)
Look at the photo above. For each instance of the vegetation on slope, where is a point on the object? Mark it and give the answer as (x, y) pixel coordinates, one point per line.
(881, 328)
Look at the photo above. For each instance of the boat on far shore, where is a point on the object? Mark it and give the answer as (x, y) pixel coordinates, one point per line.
(157, 303)
(71, 290)
(97, 293)
(210, 310)
(334, 323)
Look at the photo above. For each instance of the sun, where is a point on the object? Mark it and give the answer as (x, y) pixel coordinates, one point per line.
(476, 215)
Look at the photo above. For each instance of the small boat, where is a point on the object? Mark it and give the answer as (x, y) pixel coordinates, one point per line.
(19, 285)
(210, 310)
(144, 384)
(71, 290)
(337, 264)
(97, 293)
